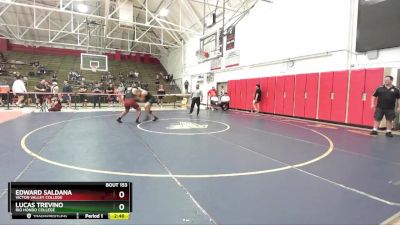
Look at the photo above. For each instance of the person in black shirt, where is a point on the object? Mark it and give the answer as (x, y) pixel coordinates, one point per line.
(186, 84)
(387, 96)
(82, 96)
(66, 96)
(96, 97)
(111, 96)
(257, 99)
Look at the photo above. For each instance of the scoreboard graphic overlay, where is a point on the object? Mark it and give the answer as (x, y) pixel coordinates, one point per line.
(71, 200)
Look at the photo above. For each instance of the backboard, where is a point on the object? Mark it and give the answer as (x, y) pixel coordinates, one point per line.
(90, 60)
(212, 44)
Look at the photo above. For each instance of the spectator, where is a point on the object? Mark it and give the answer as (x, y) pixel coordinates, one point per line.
(97, 97)
(19, 90)
(40, 87)
(66, 96)
(55, 105)
(161, 94)
(54, 76)
(82, 96)
(121, 93)
(186, 84)
(157, 79)
(136, 75)
(171, 79)
(110, 96)
(212, 93)
(222, 92)
(55, 89)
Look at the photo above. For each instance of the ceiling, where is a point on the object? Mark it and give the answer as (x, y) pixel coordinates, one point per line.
(61, 23)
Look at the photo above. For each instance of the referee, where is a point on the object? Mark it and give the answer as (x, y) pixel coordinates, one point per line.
(197, 96)
(387, 96)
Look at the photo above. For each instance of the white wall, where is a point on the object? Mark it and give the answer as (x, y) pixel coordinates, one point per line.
(318, 35)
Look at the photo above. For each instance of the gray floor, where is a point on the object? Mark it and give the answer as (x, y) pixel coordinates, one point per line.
(357, 183)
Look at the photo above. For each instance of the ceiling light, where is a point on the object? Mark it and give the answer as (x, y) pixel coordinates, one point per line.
(82, 8)
(163, 12)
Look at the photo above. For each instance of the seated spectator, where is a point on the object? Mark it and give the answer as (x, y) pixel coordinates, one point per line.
(136, 75)
(161, 94)
(157, 79)
(54, 77)
(55, 105)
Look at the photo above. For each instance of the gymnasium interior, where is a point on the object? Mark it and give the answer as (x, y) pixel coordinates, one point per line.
(200, 112)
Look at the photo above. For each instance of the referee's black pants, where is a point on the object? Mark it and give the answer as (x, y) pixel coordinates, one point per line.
(195, 100)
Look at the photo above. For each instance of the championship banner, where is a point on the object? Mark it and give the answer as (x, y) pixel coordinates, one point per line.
(230, 38)
(232, 59)
(216, 64)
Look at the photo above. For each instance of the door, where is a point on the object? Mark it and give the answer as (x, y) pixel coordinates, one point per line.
(324, 109)
(279, 92)
(299, 101)
(289, 95)
(311, 95)
(356, 97)
(339, 96)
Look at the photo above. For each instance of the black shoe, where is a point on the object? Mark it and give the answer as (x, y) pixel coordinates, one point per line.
(155, 118)
(119, 120)
(374, 132)
(389, 134)
(137, 121)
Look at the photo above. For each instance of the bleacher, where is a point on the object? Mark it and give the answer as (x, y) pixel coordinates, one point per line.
(62, 65)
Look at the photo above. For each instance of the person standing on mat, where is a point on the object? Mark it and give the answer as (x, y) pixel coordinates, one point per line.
(212, 93)
(257, 99)
(130, 102)
(387, 96)
(197, 97)
(149, 100)
(186, 84)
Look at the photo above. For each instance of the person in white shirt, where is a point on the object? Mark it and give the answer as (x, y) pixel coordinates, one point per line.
(19, 90)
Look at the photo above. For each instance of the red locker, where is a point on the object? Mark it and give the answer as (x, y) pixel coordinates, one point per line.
(339, 96)
(288, 95)
(356, 96)
(271, 94)
(242, 94)
(264, 91)
(279, 92)
(310, 110)
(299, 101)
(324, 109)
(373, 79)
(238, 94)
(251, 89)
(232, 93)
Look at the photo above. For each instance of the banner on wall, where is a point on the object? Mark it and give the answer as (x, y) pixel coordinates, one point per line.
(216, 64)
(232, 59)
(230, 38)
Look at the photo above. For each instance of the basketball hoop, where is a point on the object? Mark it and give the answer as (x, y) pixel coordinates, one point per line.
(201, 55)
(94, 68)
